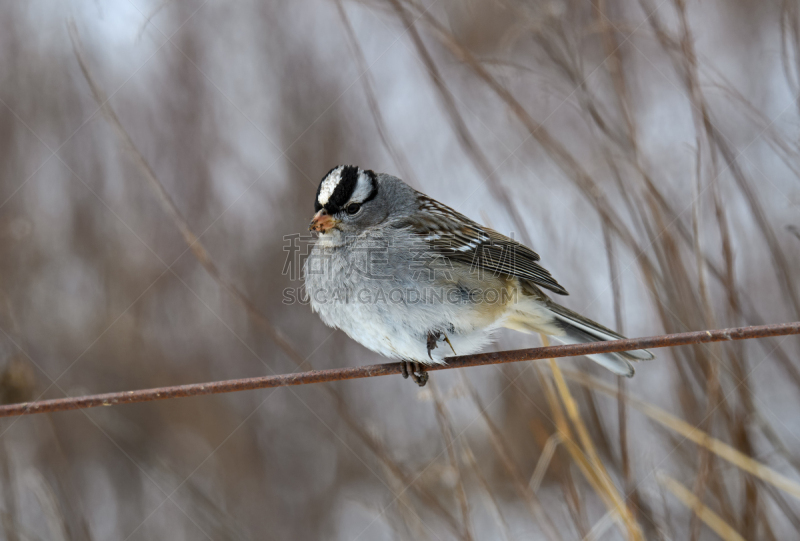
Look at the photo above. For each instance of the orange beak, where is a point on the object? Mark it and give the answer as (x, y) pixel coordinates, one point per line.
(322, 222)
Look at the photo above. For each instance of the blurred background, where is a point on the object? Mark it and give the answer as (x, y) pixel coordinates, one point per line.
(155, 153)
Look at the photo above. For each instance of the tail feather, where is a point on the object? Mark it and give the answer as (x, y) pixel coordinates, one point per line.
(541, 315)
(611, 361)
(578, 330)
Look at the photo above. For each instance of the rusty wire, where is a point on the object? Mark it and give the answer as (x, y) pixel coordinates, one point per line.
(338, 374)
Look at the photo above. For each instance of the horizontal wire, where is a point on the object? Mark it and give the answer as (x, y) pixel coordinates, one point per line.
(338, 374)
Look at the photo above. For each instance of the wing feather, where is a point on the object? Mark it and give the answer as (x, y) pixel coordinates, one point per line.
(458, 238)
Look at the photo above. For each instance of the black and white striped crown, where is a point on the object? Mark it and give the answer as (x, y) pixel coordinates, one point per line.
(345, 184)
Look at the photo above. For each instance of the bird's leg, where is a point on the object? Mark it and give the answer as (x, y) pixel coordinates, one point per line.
(404, 368)
(433, 338)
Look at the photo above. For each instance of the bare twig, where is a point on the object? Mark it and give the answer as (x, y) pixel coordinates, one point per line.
(370, 371)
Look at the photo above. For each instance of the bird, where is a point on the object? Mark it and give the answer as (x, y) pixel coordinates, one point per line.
(412, 279)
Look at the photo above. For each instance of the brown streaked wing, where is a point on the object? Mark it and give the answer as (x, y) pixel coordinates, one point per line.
(458, 238)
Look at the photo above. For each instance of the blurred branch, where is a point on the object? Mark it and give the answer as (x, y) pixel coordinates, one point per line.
(685, 64)
(570, 165)
(371, 371)
(468, 143)
(171, 209)
(398, 157)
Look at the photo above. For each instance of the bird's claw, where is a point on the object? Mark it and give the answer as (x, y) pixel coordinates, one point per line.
(415, 370)
(433, 342)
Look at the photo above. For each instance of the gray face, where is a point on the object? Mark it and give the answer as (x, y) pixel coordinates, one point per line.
(352, 197)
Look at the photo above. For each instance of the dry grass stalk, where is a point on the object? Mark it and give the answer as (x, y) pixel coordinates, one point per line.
(601, 527)
(544, 461)
(608, 490)
(559, 466)
(446, 428)
(503, 453)
(709, 517)
(576, 453)
(487, 490)
(719, 448)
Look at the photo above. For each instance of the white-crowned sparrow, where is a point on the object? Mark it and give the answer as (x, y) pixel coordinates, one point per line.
(403, 274)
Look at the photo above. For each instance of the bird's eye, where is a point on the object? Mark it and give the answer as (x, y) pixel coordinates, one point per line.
(353, 208)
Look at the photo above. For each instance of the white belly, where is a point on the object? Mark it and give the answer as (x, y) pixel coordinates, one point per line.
(399, 329)
(393, 316)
